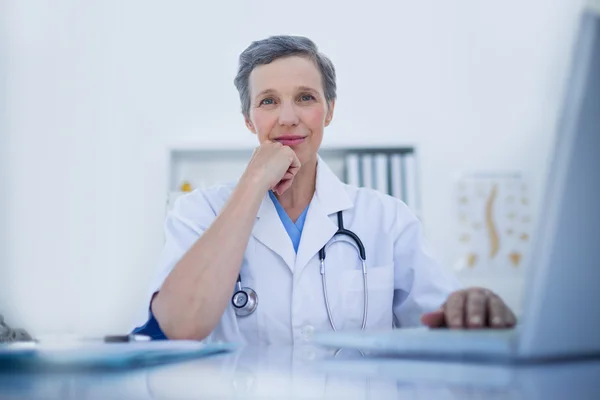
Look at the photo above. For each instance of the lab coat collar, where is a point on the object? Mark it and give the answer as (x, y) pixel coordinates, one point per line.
(330, 191)
(329, 198)
(269, 230)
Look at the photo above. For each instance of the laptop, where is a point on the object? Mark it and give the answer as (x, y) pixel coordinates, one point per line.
(561, 309)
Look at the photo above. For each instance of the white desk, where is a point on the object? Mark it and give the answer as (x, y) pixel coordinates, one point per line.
(311, 373)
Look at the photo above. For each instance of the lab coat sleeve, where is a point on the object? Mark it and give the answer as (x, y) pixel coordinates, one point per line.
(421, 284)
(189, 218)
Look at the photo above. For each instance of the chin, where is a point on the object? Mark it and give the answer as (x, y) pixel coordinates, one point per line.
(306, 156)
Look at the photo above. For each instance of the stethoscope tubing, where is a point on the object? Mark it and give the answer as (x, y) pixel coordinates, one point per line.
(249, 306)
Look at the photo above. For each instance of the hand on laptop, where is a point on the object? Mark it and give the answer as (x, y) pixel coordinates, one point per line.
(472, 308)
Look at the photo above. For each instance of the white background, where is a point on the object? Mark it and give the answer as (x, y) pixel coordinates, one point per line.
(96, 92)
(3, 153)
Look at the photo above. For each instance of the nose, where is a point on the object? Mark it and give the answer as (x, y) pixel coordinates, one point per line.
(287, 114)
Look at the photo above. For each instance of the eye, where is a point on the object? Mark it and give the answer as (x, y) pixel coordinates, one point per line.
(307, 97)
(267, 102)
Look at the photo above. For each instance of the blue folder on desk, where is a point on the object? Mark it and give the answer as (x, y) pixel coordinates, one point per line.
(99, 355)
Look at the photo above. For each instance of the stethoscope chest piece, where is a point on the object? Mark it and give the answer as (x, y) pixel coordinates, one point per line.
(244, 301)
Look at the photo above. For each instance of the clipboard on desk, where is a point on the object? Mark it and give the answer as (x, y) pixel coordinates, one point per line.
(101, 355)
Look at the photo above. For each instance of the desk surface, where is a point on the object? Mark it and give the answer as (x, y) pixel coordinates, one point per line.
(312, 373)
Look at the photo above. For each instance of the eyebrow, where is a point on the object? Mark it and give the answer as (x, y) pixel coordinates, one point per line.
(266, 91)
(299, 88)
(307, 88)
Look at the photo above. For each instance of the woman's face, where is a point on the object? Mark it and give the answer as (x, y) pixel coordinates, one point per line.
(287, 104)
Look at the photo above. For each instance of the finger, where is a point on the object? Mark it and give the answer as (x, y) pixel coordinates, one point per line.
(293, 169)
(476, 301)
(434, 319)
(496, 312)
(288, 175)
(282, 186)
(455, 310)
(510, 318)
(294, 161)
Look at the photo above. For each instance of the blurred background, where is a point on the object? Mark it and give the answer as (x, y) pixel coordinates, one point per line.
(95, 95)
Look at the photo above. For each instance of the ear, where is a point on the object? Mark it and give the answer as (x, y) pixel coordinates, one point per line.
(329, 115)
(250, 125)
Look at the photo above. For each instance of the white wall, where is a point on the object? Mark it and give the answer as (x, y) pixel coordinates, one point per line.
(99, 90)
(3, 152)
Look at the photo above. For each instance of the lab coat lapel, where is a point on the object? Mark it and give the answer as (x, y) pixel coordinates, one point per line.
(318, 230)
(269, 230)
(319, 227)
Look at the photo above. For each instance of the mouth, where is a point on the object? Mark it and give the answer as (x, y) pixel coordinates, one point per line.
(290, 140)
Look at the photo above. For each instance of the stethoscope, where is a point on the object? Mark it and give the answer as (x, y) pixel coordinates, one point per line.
(245, 299)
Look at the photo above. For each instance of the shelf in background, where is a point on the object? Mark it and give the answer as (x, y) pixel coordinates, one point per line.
(391, 170)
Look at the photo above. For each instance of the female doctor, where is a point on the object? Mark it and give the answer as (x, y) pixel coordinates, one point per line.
(260, 261)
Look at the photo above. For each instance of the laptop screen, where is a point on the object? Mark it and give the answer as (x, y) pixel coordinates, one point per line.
(562, 291)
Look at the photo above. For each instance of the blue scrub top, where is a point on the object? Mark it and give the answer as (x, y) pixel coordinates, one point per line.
(294, 231)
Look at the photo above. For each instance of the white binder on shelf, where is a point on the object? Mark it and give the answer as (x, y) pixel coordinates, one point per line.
(351, 161)
(367, 171)
(379, 169)
(397, 189)
(381, 173)
(410, 178)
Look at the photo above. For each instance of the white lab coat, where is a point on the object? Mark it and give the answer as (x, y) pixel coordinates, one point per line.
(404, 281)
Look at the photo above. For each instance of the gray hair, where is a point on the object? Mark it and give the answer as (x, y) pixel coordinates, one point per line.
(268, 50)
